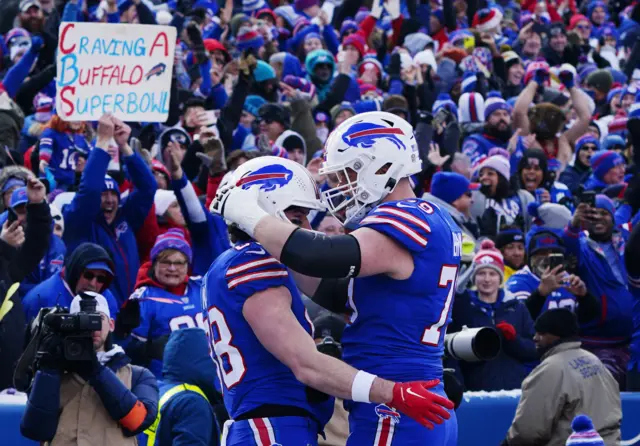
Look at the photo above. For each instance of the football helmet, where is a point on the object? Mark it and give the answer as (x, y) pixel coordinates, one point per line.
(370, 153)
(282, 182)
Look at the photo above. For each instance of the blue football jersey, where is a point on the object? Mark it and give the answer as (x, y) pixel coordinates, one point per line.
(162, 312)
(250, 375)
(634, 289)
(523, 282)
(397, 327)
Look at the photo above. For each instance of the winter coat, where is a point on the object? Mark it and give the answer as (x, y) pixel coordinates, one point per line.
(187, 418)
(569, 381)
(14, 265)
(507, 371)
(117, 402)
(85, 222)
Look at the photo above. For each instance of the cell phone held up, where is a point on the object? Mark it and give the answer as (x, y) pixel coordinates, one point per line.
(555, 260)
(588, 197)
(11, 216)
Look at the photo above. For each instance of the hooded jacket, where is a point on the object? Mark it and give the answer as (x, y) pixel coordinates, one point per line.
(314, 58)
(284, 135)
(60, 288)
(187, 418)
(85, 222)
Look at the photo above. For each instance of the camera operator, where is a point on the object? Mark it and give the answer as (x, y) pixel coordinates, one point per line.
(104, 398)
(600, 255)
(20, 253)
(490, 306)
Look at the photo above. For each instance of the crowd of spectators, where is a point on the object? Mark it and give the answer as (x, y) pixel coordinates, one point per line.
(527, 119)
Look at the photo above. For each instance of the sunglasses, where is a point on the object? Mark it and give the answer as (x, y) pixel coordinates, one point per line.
(99, 277)
(589, 147)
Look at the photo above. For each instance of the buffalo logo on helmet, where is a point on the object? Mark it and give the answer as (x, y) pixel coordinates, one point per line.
(366, 134)
(269, 178)
(383, 411)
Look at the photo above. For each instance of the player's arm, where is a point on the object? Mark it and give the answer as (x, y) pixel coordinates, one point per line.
(269, 314)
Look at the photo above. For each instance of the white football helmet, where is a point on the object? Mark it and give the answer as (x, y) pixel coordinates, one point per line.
(365, 144)
(282, 182)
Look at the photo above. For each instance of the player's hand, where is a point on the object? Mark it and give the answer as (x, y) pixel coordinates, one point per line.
(416, 401)
(239, 206)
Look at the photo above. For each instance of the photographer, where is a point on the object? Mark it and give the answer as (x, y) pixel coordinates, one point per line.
(600, 257)
(20, 253)
(104, 398)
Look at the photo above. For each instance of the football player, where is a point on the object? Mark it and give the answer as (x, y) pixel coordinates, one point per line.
(395, 274)
(262, 337)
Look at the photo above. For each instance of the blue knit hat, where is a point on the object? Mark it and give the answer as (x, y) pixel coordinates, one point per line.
(612, 93)
(249, 38)
(583, 433)
(603, 161)
(611, 141)
(253, 103)
(263, 72)
(493, 104)
(587, 139)
(449, 186)
(445, 101)
(348, 25)
(604, 202)
(174, 238)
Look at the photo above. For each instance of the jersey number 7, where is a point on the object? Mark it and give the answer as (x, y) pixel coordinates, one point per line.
(448, 274)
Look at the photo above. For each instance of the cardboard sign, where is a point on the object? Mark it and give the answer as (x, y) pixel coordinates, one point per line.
(114, 68)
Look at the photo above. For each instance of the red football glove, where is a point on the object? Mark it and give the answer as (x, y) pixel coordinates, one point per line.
(508, 331)
(414, 400)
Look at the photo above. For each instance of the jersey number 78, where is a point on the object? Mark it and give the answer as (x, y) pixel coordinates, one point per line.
(447, 279)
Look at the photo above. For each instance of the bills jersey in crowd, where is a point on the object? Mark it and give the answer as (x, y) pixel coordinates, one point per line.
(397, 327)
(250, 375)
(634, 289)
(162, 312)
(523, 282)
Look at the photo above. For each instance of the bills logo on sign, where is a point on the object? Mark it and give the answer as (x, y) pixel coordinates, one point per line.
(156, 71)
(383, 411)
(269, 178)
(365, 135)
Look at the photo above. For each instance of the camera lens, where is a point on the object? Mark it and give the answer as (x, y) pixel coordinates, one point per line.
(73, 349)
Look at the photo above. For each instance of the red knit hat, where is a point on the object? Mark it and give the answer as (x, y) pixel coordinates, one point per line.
(489, 257)
(357, 41)
(576, 19)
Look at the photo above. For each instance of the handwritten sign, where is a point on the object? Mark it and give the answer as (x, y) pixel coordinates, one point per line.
(114, 68)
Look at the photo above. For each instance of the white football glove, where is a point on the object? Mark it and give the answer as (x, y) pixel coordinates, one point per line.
(239, 206)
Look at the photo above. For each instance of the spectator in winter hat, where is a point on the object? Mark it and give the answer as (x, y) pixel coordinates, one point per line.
(308, 8)
(497, 203)
(453, 191)
(320, 66)
(607, 169)
(615, 143)
(249, 38)
(174, 136)
(628, 97)
(597, 13)
(396, 104)
(470, 108)
(251, 110)
(348, 27)
(515, 73)
(510, 242)
(487, 21)
(584, 433)
(341, 112)
(576, 173)
(274, 120)
(167, 209)
(31, 16)
(266, 84)
(444, 101)
(557, 51)
(161, 174)
(354, 43)
(295, 146)
(370, 70)
(582, 25)
(532, 46)
(534, 175)
(489, 305)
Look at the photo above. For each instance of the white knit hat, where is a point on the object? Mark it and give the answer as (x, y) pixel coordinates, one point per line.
(163, 199)
(471, 108)
(498, 163)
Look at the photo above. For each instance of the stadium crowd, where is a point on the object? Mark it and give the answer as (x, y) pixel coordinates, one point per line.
(527, 119)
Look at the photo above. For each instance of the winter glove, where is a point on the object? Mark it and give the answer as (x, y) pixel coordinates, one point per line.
(508, 331)
(36, 43)
(394, 66)
(240, 206)
(489, 222)
(197, 44)
(567, 79)
(541, 76)
(86, 369)
(50, 355)
(416, 401)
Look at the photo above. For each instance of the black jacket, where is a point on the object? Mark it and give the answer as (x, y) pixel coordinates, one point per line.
(14, 266)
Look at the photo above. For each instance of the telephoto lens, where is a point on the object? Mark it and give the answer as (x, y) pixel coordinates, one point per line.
(473, 344)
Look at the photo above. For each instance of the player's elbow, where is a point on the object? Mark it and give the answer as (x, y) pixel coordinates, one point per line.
(304, 371)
